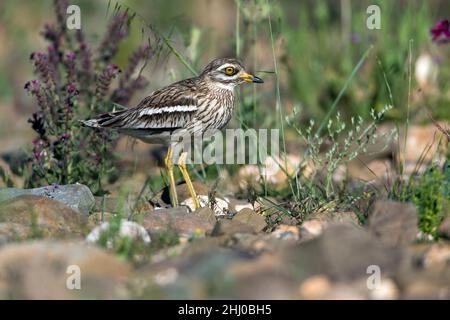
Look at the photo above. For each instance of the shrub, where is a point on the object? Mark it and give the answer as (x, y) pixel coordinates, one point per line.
(75, 81)
(430, 192)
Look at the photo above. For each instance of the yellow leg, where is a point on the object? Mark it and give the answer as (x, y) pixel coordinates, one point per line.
(169, 167)
(184, 172)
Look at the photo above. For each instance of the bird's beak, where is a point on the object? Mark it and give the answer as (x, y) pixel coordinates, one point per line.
(247, 77)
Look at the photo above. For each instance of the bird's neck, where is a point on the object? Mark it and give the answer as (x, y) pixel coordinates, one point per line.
(224, 86)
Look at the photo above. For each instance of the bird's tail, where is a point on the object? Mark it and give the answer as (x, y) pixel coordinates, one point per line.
(92, 123)
(106, 120)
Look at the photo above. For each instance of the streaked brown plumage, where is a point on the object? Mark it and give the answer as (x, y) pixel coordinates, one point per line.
(205, 102)
(208, 98)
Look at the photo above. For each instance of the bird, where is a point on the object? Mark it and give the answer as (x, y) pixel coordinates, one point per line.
(207, 99)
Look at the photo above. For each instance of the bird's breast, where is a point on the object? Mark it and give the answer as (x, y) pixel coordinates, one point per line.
(216, 109)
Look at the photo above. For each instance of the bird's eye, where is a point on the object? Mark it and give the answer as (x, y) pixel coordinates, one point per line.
(230, 71)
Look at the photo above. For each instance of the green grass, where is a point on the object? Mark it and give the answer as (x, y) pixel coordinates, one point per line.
(430, 192)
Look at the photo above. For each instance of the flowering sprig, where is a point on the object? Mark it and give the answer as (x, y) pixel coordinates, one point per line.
(116, 31)
(71, 84)
(43, 69)
(104, 80)
(127, 86)
(441, 31)
(69, 63)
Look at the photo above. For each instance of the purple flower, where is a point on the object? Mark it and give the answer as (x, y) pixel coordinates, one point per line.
(42, 67)
(32, 86)
(441, 31)
(71, 55)
(104, 80)
(69, 63)
(72, 89)
(112, 70)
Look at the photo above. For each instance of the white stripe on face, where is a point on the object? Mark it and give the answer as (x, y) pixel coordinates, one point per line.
(151, 111)
(226, 65)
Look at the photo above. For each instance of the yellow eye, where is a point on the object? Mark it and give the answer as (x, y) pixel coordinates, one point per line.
(229, 71)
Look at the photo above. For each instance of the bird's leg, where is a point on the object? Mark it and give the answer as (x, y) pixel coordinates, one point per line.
(190, 186)
(169, 167)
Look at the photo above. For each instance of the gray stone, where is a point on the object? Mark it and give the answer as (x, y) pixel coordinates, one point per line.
(231, 227)
(251, 218)
(42, 270)
(343, 252)
(11, 232)
(206, 214)
(335, 217)
(31, 216)
(394, 223)
(177, 219)
(217, 273)
(130, 229)
(76, 196)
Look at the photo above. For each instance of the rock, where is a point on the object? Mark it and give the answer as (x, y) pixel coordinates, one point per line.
(444, 228)
(42, 217)
(343, 252)
(394, 223)
(251, 218)
(263, 277)
(76, 196)
(312, 228)
(421, 138)
(230, 227)
(335, 217)
(129, 229)
(387, 290)
(437, 255)
(247, 242)
(318, 221)
(314, 288)
(12, 232)
(42, 270)
(217, 273)
(430, 283)
(179, 220)
(124, 206)
(220, 206)
(320, 288)
(354, 290)
(286, 232)
(206, 214)
(237, 205)
(190, 275)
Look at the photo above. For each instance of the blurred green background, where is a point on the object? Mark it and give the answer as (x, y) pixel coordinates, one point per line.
(316, 45)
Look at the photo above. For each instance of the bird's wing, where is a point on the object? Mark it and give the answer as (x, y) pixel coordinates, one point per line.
(169, 108)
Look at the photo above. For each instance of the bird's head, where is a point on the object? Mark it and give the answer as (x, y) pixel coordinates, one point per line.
(228, 73)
